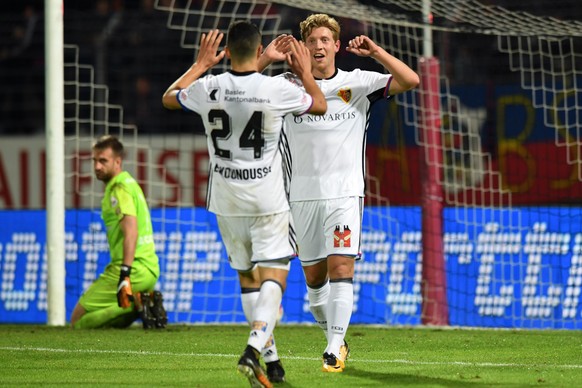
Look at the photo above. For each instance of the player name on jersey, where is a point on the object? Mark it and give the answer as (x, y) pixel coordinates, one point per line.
(242, 173)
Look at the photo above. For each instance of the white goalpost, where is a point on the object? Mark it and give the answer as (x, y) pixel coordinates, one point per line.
(55, 225)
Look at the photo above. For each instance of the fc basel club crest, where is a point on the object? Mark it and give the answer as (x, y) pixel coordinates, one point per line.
(345, 95)
(342, 238)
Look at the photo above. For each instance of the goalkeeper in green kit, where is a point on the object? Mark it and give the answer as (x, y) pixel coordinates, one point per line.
(125, 289)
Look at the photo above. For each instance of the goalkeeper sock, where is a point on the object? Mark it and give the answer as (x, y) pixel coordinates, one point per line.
(318, 298)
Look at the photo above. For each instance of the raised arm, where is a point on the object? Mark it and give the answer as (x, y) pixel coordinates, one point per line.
(207, 57)
(276, 51)
(299, 60)
(403, 77)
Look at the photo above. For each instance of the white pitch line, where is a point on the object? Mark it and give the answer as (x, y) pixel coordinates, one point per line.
(395, 361)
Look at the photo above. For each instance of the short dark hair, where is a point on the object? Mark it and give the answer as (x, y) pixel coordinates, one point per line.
(109, 141)
(243, 39)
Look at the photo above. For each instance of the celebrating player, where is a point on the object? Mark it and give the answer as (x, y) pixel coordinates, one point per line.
(327, 170)
(134, 270)
(243, 113)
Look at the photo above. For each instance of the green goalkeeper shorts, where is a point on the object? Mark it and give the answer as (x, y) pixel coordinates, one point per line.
(103, 292)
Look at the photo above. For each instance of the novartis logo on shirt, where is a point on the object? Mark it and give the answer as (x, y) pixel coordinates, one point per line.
(328, 117)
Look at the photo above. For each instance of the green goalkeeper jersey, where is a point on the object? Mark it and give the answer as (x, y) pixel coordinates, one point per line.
(123, 196)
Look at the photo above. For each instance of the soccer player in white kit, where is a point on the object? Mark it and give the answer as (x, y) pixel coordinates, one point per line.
(327, 170)
(243, 113)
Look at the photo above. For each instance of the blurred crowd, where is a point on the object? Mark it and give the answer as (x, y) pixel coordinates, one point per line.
(126, 43)
(21, 69)
(137, 56)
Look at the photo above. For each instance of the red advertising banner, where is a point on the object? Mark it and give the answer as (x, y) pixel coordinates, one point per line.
(175, 170)
(518, 175)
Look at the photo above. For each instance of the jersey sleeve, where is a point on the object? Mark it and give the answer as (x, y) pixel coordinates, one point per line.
(125, 203)
(190, 97)
(377, 84)
(292, 98)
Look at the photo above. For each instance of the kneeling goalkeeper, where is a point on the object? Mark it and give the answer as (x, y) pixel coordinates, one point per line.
(125, 289)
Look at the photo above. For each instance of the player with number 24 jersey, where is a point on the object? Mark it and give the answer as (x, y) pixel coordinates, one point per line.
(243, 115)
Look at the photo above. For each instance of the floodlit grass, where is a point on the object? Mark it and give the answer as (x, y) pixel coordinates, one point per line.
(206, 356)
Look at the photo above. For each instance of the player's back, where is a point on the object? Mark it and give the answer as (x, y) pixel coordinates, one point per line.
(242, 118)
(243, 115)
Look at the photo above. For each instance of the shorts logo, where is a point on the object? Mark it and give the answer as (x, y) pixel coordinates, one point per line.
(345, 95)
(342, 238)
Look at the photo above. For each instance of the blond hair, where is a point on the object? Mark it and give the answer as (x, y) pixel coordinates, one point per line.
(316, 21)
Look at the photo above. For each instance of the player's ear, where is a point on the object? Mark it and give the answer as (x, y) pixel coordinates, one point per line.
(227, 52)
(259, 50)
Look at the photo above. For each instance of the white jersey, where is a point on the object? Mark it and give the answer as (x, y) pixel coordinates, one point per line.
(243, 117)
(326, 153)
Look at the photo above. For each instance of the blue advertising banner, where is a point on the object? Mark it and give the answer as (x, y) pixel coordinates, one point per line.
(505, 268)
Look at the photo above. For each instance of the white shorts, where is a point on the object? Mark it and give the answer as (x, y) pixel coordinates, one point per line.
(268, 241)
(328, 227)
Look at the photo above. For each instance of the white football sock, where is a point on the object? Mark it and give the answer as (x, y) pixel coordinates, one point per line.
(265, 314)
(318, 299)
(341, 303)
(249, 299)
(269, 351)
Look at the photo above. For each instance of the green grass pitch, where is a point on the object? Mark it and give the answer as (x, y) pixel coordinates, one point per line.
(206, 356)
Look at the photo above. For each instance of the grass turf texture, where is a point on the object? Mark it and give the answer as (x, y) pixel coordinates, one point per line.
(206, 356)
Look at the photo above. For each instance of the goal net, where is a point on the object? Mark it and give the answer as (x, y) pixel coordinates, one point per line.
(503, 214)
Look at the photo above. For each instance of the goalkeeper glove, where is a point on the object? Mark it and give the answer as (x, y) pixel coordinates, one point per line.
(124, 294)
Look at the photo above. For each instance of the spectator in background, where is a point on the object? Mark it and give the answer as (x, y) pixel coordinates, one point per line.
(21, 57)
